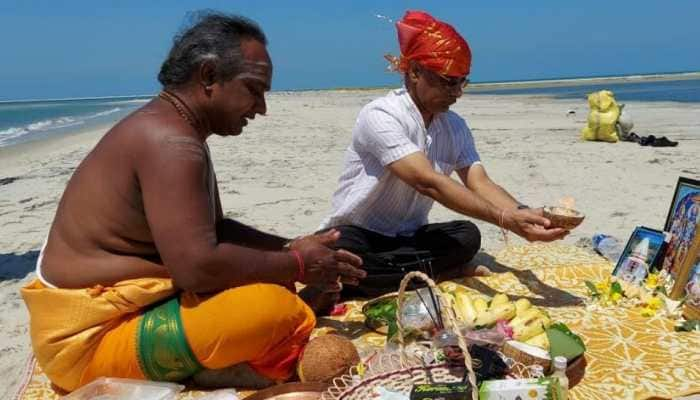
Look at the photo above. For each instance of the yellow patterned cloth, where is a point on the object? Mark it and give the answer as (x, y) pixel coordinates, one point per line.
(629, 356)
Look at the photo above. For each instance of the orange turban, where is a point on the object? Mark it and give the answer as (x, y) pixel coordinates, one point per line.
(434, 44)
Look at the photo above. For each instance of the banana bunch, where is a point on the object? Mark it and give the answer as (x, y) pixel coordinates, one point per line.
(523, 321)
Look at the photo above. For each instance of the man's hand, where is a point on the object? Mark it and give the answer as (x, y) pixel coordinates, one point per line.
(326, 267)
(327, 238)
(531, 225)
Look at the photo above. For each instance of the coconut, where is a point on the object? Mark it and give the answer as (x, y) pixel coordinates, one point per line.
(527, 354)
(326, 357)
(562, 217)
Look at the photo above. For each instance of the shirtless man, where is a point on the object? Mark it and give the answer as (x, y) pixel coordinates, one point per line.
(142, 276)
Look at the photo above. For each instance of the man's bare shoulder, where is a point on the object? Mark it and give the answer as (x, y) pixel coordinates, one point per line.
(150, 134)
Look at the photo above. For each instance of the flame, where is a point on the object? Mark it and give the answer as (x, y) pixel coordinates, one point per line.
(568, 202)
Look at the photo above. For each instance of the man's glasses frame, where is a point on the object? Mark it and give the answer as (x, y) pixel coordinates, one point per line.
(448, 82)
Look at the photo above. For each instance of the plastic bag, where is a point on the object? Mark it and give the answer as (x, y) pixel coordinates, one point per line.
(221, 394)
(418, 313)
(126, 389)
(602, 118)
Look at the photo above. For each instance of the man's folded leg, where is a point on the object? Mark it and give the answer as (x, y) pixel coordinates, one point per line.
(435, 249)
(377, 252)
(263, 325)
(450, 245)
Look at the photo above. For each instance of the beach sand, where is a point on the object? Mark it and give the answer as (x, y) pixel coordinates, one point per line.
(280, 174)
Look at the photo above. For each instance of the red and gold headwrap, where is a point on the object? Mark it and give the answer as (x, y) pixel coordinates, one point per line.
(434, 44)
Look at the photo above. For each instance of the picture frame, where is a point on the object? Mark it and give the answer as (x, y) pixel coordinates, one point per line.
(681, 223)
(684, 186)
(687, 279)
(642, 252)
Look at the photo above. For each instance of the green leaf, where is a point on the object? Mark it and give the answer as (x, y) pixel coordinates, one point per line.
(393, 329)
(563, 342)
(382, 313)
(688, 326)
(661, 289)
(616, 288)
(592, 289)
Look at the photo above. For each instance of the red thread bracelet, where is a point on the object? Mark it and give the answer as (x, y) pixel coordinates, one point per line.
(300, 264)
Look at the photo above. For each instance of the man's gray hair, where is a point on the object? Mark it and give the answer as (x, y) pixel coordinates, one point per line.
(209, 36)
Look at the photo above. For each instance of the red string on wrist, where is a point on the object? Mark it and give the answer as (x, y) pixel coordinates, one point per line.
(300, 265)
(501, 224)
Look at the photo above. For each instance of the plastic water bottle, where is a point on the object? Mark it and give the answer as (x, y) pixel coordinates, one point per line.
(560, 374)
(607, 246)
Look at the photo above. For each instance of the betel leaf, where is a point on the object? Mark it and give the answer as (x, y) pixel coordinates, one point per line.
(384, 310)
(563, 342)
(592, 289)
(383, 313)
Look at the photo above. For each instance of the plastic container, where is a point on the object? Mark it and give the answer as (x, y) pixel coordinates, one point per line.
(607, 246)
(560, 365)
(126, 389)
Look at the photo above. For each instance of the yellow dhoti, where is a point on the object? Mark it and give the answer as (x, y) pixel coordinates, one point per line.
(81, 334)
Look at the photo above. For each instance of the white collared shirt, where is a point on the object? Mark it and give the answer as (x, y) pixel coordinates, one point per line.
(388, 129)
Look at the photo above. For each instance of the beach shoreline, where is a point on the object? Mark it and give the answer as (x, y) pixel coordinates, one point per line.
(537, 83)
(32, 134)
(544, 83)
(279, 176)
(525, 84)
(13, 152)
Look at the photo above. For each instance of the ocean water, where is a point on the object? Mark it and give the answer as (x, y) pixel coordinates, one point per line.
(23, 121)
(684, 91)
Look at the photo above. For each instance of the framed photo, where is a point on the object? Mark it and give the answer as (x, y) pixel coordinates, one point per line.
(681, 222)
(687, 279)
(641, 253)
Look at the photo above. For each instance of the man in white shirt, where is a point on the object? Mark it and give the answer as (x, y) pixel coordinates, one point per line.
(404, 148)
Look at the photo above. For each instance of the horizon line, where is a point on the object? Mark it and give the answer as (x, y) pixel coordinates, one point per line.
(579, 79)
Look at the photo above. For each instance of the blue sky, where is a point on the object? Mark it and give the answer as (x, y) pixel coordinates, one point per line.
(100, 48)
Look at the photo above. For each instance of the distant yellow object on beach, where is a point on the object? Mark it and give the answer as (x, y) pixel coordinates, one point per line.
(602, 117)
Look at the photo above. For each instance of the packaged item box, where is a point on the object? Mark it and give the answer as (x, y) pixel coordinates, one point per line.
(441, 391)
(521, 389)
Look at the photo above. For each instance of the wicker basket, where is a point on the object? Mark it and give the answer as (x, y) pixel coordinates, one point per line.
(399, 372)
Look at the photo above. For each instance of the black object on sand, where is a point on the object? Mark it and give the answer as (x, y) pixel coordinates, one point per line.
(651, 140)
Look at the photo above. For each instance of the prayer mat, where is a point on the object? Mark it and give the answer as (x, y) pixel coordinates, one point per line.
(628, 356)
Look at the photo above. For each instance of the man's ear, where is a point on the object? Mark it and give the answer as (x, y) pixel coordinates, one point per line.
(207, 75)
(413, 72)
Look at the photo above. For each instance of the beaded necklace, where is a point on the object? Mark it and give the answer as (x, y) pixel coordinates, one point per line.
(182, 108)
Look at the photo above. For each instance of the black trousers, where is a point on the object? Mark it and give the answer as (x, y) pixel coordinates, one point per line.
(433, 249)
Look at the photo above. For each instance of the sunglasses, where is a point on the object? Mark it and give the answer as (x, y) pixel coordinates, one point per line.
(448, 82)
